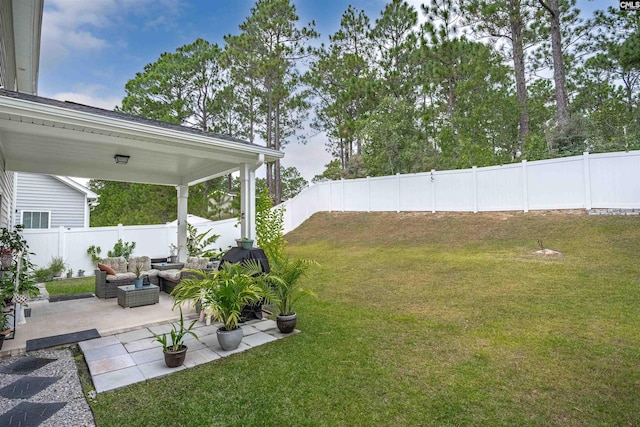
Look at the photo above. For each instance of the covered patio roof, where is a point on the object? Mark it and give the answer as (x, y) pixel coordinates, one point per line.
(41, 135)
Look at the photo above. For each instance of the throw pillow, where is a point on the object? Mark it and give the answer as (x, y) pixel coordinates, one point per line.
(110, 271)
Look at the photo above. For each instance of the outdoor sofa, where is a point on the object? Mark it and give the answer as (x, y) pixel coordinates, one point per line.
(168, 279)
(114, 272)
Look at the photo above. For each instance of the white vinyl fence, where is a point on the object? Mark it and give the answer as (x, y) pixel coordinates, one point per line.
(609, 180)
(151, 240)
(590, 181)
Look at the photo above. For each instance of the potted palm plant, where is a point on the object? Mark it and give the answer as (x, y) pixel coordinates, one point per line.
(284, 280)
(175, 352)
(222, 294)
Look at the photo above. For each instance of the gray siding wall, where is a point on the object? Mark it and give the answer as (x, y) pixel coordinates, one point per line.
(6, 197)
(44, 193)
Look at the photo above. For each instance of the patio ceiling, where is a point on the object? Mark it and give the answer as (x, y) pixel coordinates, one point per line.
(40, 135)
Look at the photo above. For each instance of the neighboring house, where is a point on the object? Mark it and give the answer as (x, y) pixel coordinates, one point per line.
(49, 201)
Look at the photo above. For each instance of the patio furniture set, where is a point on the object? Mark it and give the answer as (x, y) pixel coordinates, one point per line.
(115, 278)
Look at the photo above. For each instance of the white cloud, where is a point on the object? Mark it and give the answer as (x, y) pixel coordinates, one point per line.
(71, 27)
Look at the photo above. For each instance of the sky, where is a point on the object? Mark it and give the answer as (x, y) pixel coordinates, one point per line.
(91, 48)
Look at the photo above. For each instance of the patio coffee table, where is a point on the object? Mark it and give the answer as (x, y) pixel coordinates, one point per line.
(130, 296)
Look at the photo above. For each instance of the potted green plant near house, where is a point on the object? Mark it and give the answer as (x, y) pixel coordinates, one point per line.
(70, 273)
(223, 293)
(284, 279)
(176, 351)
(173, 253)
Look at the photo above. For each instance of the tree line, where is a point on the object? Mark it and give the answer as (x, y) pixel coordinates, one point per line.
(452, 85)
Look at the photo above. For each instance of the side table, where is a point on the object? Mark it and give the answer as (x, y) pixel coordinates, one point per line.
(130, 296)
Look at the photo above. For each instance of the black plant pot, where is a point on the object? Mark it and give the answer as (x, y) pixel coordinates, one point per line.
(173, 359)
(286, 323)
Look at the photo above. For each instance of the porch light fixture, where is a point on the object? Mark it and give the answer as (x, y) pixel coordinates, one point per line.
(121, 159)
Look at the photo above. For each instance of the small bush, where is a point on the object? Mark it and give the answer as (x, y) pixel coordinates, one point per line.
(43, 275)
(122, 249)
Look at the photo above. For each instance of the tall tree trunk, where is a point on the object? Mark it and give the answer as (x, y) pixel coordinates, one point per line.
(515, 21)
(277, 194)
(270, 144)
(562, 104)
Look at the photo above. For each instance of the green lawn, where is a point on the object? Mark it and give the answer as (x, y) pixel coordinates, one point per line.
(432, 319)
(71, 286)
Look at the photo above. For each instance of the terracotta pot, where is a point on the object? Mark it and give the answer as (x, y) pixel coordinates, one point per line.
(286, 323)
(173, 359)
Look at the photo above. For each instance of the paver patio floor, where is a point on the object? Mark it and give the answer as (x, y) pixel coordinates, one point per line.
(122, 359)
(105, 315)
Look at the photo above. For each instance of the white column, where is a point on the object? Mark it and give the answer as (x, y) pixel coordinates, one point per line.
(183, 199)
(248, 201)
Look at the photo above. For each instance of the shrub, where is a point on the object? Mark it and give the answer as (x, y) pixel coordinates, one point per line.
(122, 249)
(43, 275)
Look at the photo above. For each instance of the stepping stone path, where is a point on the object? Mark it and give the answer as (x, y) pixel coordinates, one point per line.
(42, 389)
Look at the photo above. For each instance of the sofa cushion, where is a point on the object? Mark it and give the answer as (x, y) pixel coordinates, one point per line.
(110, 271)
(173, 275)
(196, 263)
(121, 277)
(143, 261)
(119, 264)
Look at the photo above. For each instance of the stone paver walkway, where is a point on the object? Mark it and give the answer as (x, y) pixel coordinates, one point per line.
(119, 360)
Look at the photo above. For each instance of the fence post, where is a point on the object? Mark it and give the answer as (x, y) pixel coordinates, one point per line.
(368, 194)
(121, 232)
(61, 242)
(398, 192)
(587, 180)
(343, 201)
(433, 191)
(330, 197)
(525, 187)
(474, 172)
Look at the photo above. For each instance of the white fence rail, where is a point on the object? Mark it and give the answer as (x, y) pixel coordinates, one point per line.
(590, 181)
(609, 180)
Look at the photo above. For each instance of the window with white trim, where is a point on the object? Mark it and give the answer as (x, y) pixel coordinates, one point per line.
(34, 219)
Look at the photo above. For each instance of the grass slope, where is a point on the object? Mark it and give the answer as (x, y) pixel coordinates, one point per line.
(432, 319)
